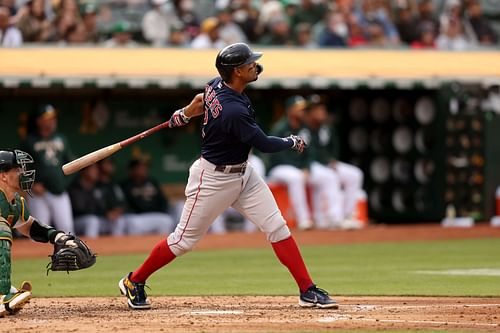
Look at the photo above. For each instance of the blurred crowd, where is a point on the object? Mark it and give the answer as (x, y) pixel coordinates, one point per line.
(418, 24)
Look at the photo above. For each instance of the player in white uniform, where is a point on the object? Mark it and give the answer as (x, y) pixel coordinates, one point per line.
(345, 180)
(221, 178)
(50, 201)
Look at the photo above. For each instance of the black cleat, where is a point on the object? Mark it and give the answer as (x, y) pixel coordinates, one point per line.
(136, 296)
(316, 297)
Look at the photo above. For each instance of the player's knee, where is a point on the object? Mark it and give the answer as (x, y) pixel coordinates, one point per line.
(180, 248)
(179, 244)
(280, 233)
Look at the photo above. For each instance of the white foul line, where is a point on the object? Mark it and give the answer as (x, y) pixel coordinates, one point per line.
(214, 312)
(457, 305)
(400, 321)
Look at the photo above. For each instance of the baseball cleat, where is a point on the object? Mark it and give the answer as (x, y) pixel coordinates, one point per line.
(316, 297)
(13, 303)
(136, 296)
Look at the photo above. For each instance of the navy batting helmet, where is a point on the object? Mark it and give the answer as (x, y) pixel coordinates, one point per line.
(18, 159)
(232, 56)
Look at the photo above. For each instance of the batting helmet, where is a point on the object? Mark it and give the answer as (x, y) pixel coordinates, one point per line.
(18, 159)
(232, 56)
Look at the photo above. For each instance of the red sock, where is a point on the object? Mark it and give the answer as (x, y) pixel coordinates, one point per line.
(159, 257)
(289, 255)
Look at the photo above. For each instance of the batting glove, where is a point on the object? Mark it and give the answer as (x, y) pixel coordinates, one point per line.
(298, 143)
(178, 119)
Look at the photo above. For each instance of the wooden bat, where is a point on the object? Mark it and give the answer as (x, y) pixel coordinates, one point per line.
(95, 156)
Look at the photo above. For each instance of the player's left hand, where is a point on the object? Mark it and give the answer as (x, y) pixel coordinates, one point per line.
(70, 254)
(298, 143)
(178, 119)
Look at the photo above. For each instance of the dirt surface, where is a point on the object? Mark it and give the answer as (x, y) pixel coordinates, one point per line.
(257, 313)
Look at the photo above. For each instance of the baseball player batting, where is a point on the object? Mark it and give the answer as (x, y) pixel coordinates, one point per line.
(221, 178)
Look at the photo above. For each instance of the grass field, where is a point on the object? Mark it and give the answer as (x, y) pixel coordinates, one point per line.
(409, 268)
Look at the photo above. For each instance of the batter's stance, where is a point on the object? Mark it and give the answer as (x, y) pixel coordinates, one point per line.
(221, 178)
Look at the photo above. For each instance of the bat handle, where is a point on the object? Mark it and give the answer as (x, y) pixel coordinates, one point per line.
(144, 134)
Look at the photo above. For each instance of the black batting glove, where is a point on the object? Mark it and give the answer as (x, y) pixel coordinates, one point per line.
(178, 119)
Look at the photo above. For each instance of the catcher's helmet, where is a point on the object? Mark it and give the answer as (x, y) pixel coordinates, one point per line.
(232, 56)
(18, 159)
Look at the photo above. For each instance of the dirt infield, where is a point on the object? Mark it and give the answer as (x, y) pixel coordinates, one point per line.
(257, 313)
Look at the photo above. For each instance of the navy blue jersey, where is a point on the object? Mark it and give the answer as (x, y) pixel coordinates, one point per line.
(229, 125)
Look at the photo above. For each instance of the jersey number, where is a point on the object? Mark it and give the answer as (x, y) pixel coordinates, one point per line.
(212, 104)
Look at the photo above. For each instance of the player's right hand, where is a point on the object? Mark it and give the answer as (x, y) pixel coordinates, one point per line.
(178, 119)
(298, 143)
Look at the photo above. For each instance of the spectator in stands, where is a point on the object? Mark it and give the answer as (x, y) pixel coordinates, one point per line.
(407, 25)
(269, 10)
(357, 36)
(34, 25)
(76, 34)
(122, 36)
(157, 23)
(50, 150)
(89, 21)
(229, 31)
(427, 39)
(115, 203)
(278, 33)
(376, 35)
(87, 202)
(291, 9)
(246, 16)
(335, 32)
(310, 11)
(184, 10)
(209, 37)
(11, 7)
(147, 206)
(291, 169)
(374, 19)
(303, 36)
(10, 36)
(426, 16)
(452, 38)
(332, 206)
(483, 31)
(178, 37)
(65, 23)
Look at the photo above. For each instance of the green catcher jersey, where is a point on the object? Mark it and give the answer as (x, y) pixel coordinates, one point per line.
(11, 213)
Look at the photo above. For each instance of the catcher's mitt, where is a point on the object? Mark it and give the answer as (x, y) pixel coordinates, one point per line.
(70, 254)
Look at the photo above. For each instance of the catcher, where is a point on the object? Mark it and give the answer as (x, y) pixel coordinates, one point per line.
(70, 253)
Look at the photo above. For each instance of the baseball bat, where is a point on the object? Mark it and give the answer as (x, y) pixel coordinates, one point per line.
(96, 156)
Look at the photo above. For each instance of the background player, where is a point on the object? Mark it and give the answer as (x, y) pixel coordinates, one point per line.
(289, 168)
(14, 178)
(50, 201)
(345, 180)
(222, 178)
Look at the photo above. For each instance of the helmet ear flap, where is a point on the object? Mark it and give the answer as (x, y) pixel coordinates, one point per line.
(225, 73)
